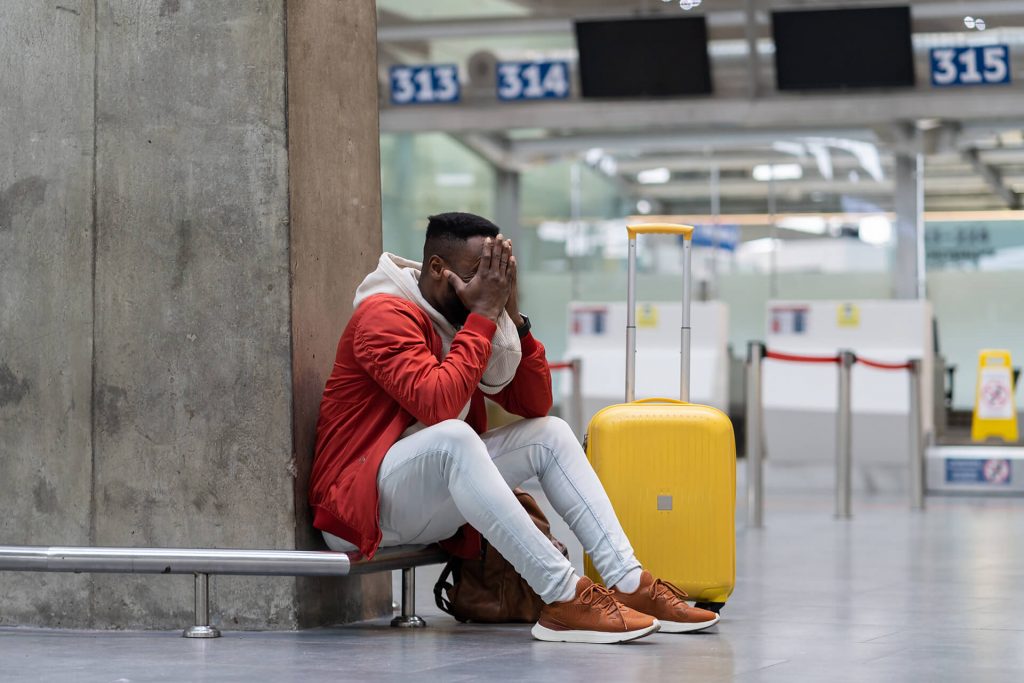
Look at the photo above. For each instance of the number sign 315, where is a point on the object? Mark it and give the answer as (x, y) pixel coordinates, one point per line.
(982, 65)
(533, 80)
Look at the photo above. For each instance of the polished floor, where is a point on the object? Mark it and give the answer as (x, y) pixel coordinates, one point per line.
(888, 596)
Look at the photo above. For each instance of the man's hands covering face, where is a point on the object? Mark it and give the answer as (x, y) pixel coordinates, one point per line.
(490, 290)
(512, 307)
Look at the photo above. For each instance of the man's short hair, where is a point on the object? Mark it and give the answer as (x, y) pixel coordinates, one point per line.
(447, 231)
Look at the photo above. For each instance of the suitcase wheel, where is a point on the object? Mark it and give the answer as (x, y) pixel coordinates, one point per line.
(715, 607)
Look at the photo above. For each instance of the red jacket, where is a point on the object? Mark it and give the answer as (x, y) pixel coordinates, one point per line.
(388, 374)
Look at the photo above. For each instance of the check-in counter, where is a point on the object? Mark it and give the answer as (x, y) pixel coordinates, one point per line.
(597, 335)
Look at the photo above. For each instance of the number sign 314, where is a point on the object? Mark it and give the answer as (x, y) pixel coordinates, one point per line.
(982, 65)
(533, 80)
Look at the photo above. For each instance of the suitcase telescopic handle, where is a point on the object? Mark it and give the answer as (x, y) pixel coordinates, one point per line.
(660, 229)
(686, 231)
(662, 401)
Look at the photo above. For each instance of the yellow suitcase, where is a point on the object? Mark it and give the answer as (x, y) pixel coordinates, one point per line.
(669, 467)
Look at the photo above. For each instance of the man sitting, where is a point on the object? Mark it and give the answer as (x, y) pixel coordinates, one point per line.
(403, 454)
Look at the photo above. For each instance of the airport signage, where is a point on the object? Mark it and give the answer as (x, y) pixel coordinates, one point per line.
(988, 244)
(993, 471)
(532, 80)
(425, 84)
(724, 237)
(980, 65)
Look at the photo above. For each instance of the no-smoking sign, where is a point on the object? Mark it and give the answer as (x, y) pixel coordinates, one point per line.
(994, 394)
(996, 471)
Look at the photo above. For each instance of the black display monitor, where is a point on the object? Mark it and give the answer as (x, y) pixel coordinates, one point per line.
(652, 57)
(834, 49)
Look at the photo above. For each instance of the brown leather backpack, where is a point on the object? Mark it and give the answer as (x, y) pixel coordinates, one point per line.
(489, 590)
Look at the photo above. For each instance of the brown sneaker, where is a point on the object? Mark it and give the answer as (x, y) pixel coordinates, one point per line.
(663, 601)
(593, 616)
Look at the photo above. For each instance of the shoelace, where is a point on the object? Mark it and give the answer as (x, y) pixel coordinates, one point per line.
(599, 596)
(674, 592)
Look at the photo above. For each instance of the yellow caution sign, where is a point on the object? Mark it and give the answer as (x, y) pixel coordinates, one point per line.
(848, 315)
(995, 411)
(647, 316)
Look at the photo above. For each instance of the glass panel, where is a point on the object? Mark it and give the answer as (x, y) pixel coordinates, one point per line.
(426, 174)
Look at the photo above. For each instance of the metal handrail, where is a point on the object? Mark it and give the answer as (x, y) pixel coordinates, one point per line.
(202, 562)
(210, 560)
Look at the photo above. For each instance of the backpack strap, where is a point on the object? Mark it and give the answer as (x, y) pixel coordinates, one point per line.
(442, 586)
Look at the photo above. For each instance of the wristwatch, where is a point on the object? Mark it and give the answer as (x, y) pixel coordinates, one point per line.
(525, 328)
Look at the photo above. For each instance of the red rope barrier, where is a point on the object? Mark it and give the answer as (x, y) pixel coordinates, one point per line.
(560, 366)
(798, 358)
(881, 365)
(795, 358)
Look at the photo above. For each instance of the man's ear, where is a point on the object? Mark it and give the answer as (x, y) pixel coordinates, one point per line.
(436, 267)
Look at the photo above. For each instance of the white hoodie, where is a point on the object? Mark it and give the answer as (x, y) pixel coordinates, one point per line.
(400, 277)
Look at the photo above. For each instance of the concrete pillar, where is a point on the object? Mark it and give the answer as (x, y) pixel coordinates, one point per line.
(179, 244)
(46, 298)
(909, 261)
(334, 158)
(191, 374)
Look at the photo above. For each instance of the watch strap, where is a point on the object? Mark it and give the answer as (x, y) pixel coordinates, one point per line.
(524, 329)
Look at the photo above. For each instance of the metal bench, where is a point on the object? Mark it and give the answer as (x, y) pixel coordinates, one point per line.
(203, 562)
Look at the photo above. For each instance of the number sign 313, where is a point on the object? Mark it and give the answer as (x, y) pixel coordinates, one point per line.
(982, 65)
(425, 84)
(533, 80)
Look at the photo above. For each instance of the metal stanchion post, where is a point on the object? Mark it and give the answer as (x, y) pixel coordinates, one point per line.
(408, 618)
(844, 433)
(754, 429)
(916, 441)
(577, 397)
(202, 628)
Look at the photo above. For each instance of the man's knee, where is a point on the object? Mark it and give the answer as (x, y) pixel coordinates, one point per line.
(462, 443)
(554, 430)
(456, 431)
(558, 438)
(561, 428)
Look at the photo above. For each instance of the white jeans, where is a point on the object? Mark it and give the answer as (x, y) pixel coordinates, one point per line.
(437, 479)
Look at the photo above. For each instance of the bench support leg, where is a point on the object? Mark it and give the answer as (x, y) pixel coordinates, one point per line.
(202, 628)
(408, 618)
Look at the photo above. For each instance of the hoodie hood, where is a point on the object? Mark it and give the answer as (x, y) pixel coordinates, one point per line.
(400, 277)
